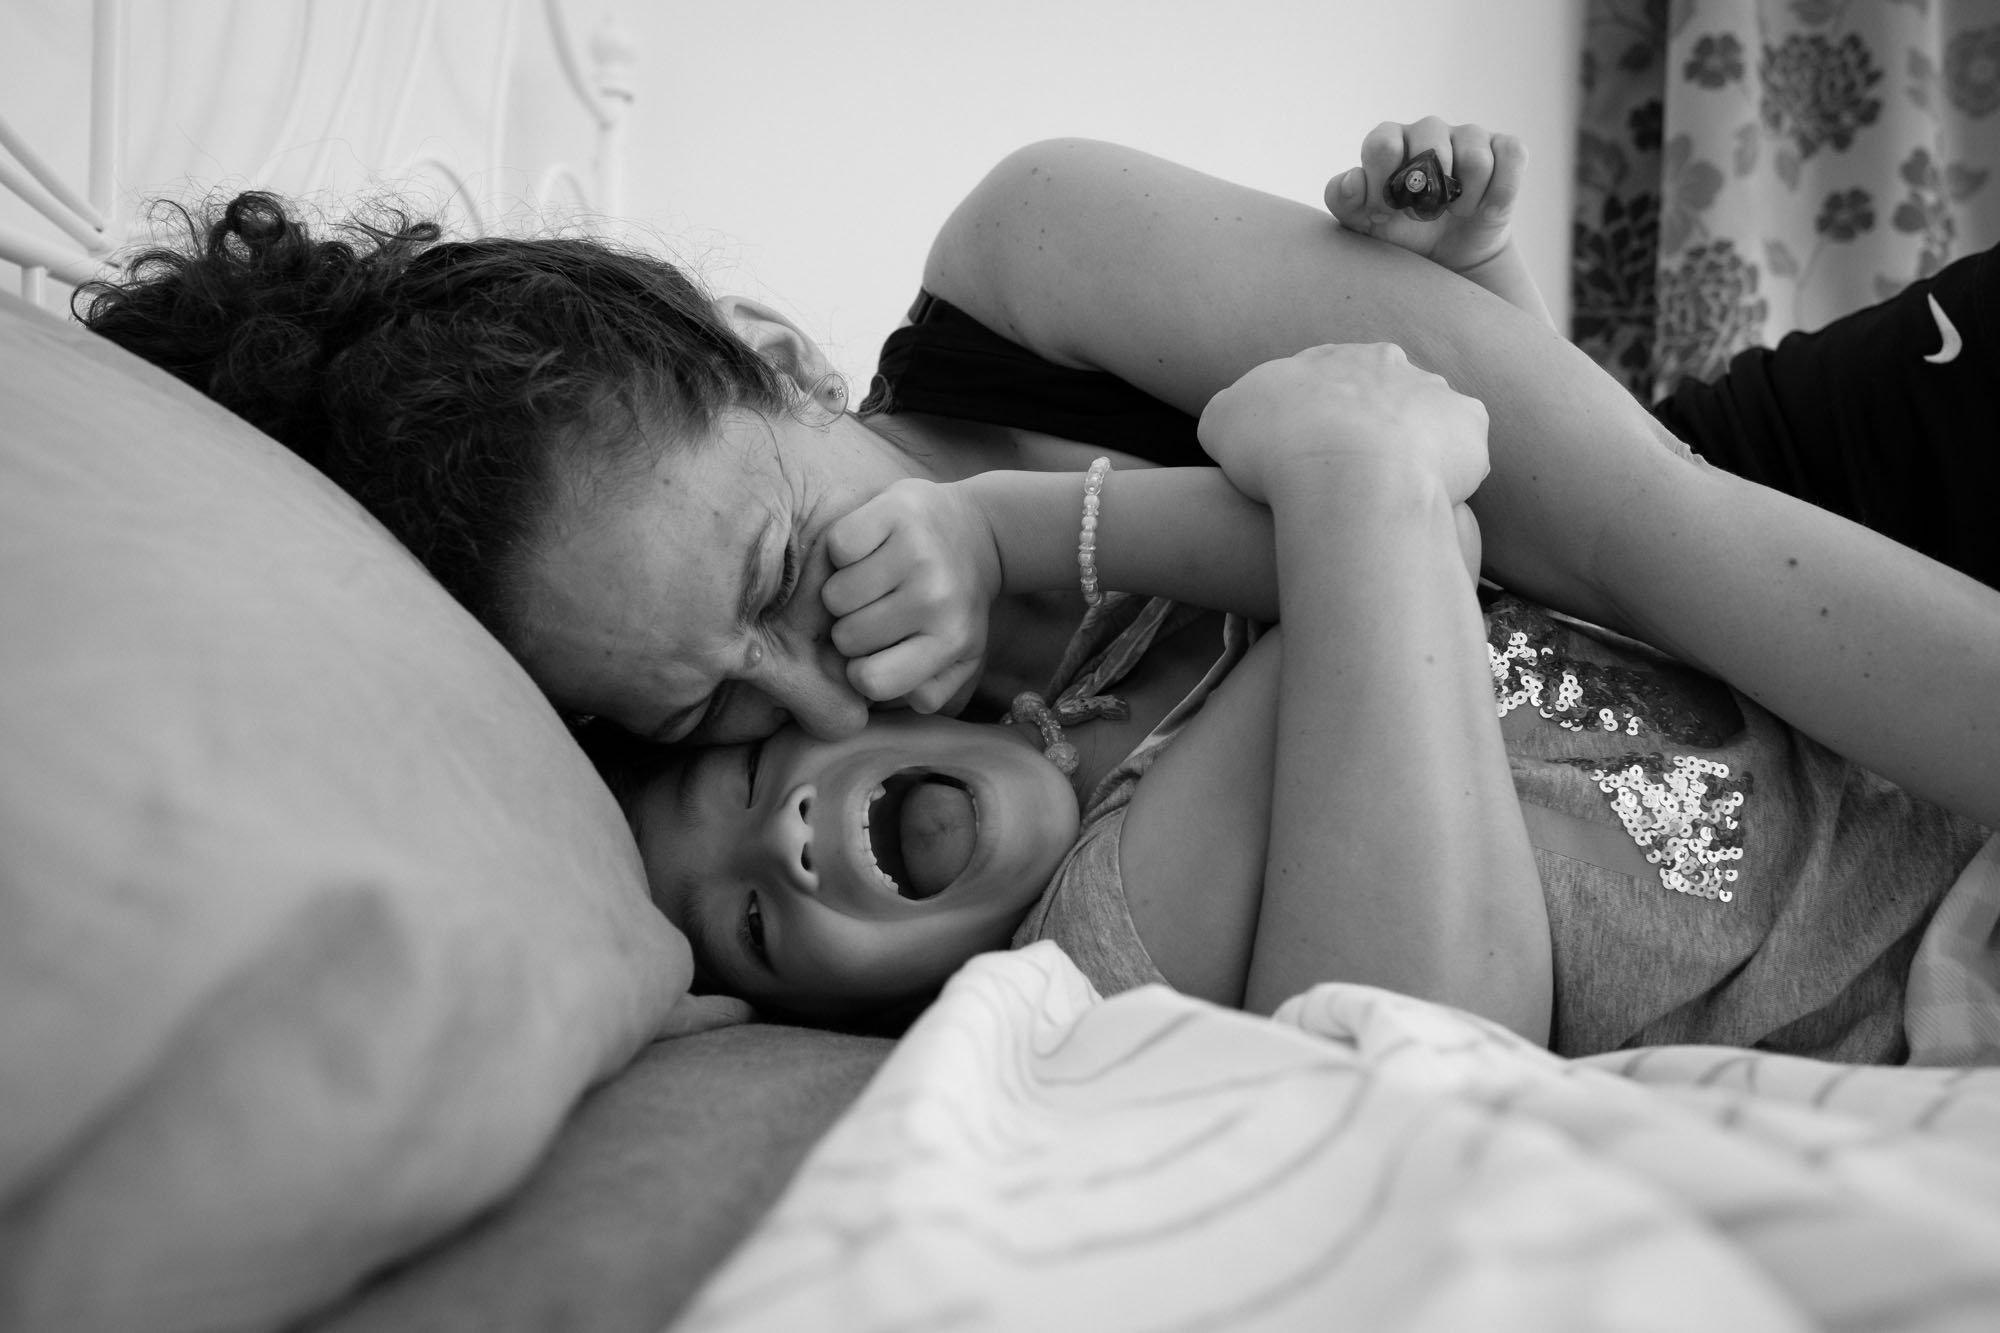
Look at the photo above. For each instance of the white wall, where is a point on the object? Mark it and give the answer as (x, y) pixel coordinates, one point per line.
(805, 150)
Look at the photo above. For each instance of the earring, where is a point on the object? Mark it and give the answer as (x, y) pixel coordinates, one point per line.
(832, 391)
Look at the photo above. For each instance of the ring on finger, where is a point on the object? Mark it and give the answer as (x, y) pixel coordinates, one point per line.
(1421, 187)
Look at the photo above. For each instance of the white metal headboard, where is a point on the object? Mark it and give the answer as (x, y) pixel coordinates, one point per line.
(81, 223)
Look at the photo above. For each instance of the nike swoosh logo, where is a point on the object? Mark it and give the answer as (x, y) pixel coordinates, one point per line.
(1952, 342)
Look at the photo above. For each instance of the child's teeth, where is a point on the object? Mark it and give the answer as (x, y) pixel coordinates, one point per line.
(867, 845)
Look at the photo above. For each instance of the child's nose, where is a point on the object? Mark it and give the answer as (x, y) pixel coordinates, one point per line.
(787, 838)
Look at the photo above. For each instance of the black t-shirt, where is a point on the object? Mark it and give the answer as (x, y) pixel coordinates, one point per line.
(946, 362)
(1855, 418)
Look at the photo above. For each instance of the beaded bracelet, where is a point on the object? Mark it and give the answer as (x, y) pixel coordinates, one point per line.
(1086, 542)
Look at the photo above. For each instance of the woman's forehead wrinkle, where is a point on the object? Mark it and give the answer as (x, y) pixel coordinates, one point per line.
(664, 579)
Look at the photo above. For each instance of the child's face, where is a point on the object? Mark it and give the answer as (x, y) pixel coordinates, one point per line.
(834, 877)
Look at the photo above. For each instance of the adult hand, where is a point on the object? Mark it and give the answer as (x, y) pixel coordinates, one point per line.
(916, 570)
(1362, 405)
(1490, 169)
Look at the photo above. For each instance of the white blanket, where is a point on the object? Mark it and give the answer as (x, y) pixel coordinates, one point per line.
(1033, 1157)
(1952, 1009)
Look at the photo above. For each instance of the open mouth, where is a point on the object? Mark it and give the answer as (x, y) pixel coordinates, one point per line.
(921, 830)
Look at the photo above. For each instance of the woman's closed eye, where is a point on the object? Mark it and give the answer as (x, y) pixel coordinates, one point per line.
(788, 581)
(708, 724)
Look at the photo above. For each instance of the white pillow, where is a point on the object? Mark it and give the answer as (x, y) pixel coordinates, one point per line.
(314, 922)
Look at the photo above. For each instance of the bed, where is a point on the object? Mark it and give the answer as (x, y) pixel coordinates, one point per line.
(332, 998)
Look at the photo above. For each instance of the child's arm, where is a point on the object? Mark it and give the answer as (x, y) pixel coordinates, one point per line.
(1474, 237)
(918, 567)
(1398, 855)
(1341, 808)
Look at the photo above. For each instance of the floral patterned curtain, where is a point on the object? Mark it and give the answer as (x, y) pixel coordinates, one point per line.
(1745, 169)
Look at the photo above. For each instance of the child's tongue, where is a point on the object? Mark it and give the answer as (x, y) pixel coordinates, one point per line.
(939, 831)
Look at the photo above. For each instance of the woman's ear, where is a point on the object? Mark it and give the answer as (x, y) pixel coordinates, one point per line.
(777, 340)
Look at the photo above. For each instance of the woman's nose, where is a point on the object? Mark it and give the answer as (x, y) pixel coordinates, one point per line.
(786, 839)
(811, 685)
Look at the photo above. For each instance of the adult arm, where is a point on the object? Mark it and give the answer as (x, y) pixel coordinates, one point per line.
(1105, 258)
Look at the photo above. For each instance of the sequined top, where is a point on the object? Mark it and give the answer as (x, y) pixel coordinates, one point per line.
(1712, 876)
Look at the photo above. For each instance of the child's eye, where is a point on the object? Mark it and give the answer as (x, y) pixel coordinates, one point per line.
(753, 930)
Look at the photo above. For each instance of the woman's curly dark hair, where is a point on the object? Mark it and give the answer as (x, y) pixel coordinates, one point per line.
(448, 385)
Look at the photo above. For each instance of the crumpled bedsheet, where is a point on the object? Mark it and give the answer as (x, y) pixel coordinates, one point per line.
(1034, 1157)
(1951, 1010)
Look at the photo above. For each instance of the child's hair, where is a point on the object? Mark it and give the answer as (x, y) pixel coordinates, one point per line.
(451, 386)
